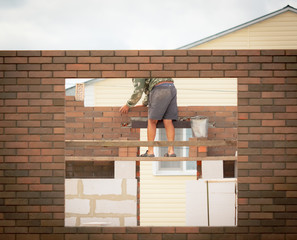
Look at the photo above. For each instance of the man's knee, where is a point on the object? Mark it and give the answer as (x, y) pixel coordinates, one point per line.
(167, 121)
(153, 121)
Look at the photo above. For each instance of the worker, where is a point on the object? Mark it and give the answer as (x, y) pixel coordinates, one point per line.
(160, 97)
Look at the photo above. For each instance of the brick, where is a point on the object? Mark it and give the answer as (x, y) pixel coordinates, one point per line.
(113, 59)
(77, 66)
(261, 215)
(64, 74)
(77, 53)
(137, 59)
(187, 59)
(168, 67)
(16, 74)
(55, 237)
(162, 59)
(235, 59)
(162, 74)
(64, 59)
(118, 74)
(126, 236)
(8, 67)
(15, 60)
(176, 236)
(52, 53)
(100, 237)
(218, 74)
(185, 74)
(211, 59)
(122, 67)
(102, 67)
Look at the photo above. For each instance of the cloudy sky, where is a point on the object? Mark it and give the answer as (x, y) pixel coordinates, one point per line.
(122, 24)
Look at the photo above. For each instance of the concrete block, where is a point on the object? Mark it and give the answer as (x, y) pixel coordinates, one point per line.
(196, 203)
(130, 221)
(131, 187)
(70, 221)
(99, 222)
(71, 186)
(212, 169)
(125, 169)
(102, 186)
(222, 204)
(80, 206)
(116, 207)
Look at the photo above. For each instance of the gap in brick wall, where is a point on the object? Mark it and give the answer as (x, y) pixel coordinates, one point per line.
(87, 120)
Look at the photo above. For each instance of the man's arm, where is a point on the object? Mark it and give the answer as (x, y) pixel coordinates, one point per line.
(139, 85)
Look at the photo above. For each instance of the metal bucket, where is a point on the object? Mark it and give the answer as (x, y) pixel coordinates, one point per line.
(199, 125)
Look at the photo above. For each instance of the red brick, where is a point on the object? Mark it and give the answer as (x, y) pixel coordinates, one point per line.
(285, 129)
(40, 60)
(113, 59)
(259, 73)
(162, 74)
(76, 236)
(261, 215)
(77, 67)
(41, 187)
(251, 109)
(16, 74)
(77, 53)
(273, 123)
(200, 66)
(224, 66)
(15, 60)
(64, 74)
(185, 74)
(121, 67)
(212, 74)
(117, 74)
(169, 66)
(162, 59)
(273, 94)
(235, 59)
(137, 59)
(102, 66)
(64, 59)
(151, 67)
(8, 67)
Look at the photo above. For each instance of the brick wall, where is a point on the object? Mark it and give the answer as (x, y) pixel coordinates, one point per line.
(85, 123)
(33, 131)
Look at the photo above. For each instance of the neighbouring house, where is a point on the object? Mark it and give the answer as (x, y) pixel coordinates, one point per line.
(164, 187)
(276, 30)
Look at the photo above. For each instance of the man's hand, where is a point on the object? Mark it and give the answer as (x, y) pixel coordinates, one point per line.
(124, 109)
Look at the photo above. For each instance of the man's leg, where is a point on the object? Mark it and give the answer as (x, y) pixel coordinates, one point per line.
(170, 133)
(151, 133)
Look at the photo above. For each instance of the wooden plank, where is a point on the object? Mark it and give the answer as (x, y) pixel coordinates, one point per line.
(91, 158)
(136, 143)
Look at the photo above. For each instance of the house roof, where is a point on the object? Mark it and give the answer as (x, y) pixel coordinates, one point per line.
(86, 82)
(241, 26)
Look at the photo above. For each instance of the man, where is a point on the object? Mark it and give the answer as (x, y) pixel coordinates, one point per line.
(161, 101)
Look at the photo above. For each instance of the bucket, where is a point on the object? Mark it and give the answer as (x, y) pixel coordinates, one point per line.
(199, 125)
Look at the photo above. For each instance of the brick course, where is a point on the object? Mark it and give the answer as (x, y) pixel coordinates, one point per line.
(32, 154)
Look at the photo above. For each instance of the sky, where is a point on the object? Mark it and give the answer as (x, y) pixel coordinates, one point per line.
(122, 24)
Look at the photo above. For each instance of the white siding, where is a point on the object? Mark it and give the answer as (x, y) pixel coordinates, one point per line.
(191, 92)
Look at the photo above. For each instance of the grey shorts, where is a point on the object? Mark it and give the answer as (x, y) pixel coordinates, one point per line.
(162, 102)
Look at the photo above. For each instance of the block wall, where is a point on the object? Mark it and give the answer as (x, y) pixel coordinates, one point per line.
(33, 131)
(100, 202)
